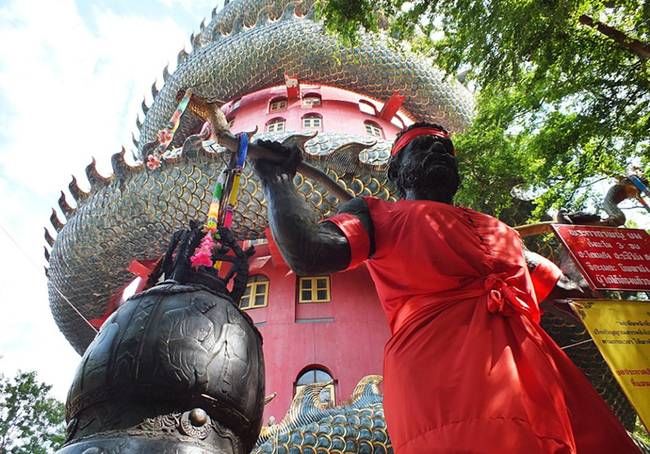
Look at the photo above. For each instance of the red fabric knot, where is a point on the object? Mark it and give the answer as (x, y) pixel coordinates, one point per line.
(501, 298)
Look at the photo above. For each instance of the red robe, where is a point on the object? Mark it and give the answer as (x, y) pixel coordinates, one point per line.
(468, 368)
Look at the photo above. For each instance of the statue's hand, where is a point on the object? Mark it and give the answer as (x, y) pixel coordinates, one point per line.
(269, 171)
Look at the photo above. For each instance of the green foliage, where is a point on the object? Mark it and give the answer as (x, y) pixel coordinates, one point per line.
(31, 422)
(562, 87)
(640, 432)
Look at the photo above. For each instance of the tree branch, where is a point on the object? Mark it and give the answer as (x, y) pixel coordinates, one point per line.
(639, 48)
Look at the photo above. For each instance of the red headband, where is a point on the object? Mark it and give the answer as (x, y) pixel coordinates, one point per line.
(417, 132)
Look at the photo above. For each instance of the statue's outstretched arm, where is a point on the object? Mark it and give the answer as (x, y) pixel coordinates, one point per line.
(550, 282)
(307, 245)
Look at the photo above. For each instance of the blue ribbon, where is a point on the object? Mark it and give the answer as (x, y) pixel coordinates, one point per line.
(242, 151)
(636, 181)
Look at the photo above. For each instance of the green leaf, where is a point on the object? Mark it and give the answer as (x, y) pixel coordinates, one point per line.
(31, 422)
(559, 103)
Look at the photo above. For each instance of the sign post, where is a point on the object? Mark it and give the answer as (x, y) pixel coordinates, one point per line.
(609, 258)
(621, 331)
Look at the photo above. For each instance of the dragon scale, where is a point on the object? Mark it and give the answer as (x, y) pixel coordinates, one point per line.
(260, 57)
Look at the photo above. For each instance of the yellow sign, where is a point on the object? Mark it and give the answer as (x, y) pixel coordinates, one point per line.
(621, 331)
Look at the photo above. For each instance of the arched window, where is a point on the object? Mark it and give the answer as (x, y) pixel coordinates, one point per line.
(367, 107)
(314, 375)
(312, 121)
(398, 121)
(278, 104)
(373, 129)
(276, 125)
(256, 294)
(311, 100)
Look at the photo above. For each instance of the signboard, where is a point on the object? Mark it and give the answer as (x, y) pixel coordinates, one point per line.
(609, 258)
(621, 331)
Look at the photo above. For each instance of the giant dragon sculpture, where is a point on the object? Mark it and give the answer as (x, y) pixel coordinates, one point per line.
(247, 46)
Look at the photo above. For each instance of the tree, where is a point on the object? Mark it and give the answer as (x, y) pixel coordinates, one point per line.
(31, 422)
(562, 86)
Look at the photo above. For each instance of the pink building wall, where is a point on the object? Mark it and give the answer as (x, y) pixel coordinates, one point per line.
(345, 336)
(339, 109)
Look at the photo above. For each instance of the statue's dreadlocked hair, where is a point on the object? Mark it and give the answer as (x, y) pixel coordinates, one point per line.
(175, 264)
(438, 175)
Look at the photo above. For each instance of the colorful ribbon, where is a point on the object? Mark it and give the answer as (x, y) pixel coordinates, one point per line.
(166, 135)
(222, 206)
(230, 199)
(643, 190)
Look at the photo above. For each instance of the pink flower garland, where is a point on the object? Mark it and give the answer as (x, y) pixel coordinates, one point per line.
(153, 162)
(203, 254)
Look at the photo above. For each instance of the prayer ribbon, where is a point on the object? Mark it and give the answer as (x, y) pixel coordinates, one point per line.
(643, 189)
(222, 206)
(166, 135)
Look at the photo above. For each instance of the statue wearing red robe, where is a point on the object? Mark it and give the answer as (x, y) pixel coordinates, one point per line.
(468, 368)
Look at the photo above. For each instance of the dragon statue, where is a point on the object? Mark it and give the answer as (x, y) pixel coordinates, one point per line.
(313, 427)
(247, 46)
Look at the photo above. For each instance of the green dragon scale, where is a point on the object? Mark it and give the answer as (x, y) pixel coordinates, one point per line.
(312, 427)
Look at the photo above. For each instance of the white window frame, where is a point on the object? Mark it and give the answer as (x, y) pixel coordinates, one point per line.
(312, 121)
(311, 100)
(367, 107)
(278, 105)
(276, 125)
(374, 130)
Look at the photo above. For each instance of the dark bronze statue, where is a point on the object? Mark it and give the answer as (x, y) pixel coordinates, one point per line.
(462, 309)
(177, 368)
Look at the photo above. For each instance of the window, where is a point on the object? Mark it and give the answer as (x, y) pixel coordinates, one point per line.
(278, 104)
(367, 107)
(314, 289)
(314, 376)
(374, 130)
(311, 100)
(276, 125)
(398, 121)
(312, 121)
(256, 294)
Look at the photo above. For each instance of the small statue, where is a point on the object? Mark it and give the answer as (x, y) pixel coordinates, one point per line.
(622, 190)
(178, 368)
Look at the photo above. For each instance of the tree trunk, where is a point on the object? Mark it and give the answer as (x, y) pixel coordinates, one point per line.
(639, 48)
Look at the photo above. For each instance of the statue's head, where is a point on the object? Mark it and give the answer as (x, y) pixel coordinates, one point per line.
(177, 263)
(178, 367)
(423, 163)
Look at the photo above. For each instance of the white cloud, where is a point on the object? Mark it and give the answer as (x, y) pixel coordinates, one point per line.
(193, 5)
(70, 88)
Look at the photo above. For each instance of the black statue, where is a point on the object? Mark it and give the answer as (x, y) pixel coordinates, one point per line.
(462, 308)
(177, 368)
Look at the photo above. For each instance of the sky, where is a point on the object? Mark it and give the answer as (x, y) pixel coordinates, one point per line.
(72, 77)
